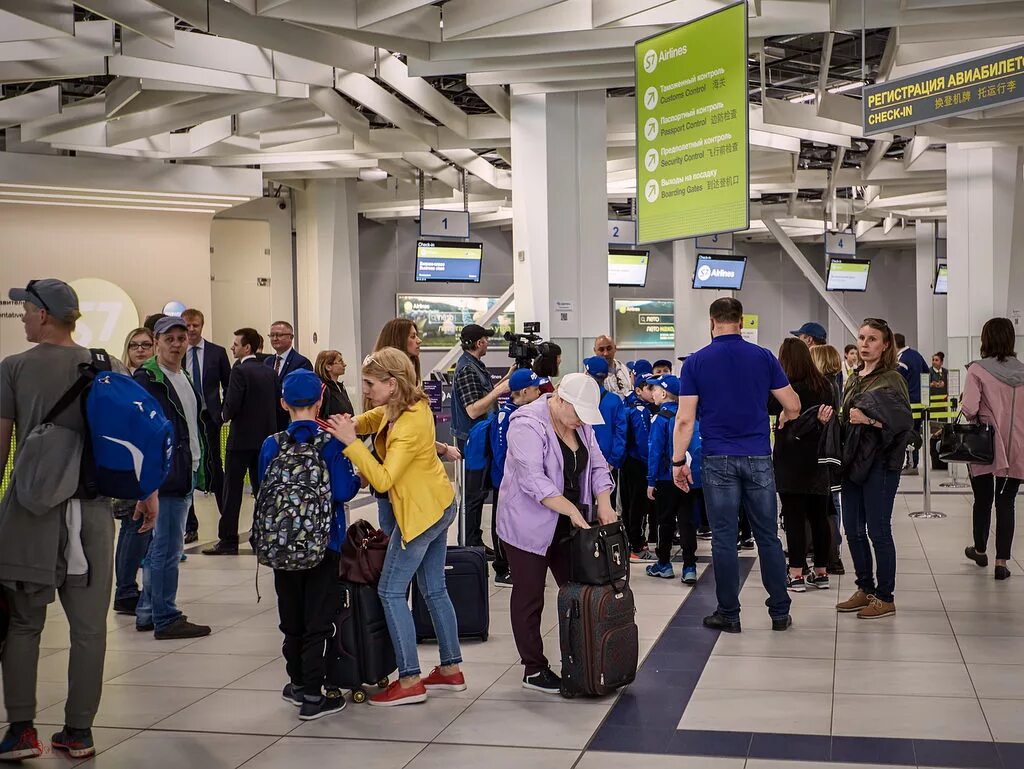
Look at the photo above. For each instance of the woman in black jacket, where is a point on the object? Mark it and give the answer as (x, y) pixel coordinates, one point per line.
(802, 483)
(330, 366)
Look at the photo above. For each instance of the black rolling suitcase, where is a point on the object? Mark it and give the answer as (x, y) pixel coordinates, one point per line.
(599, 638)
(361, 651)
(466, 576)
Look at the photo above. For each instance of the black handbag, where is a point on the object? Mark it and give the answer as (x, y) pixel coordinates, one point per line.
(599, 555)
(972, 442)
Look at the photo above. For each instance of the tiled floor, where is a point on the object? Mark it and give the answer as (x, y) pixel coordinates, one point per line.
(941, 684)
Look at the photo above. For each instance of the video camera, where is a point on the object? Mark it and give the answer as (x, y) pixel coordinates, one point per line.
(524, 348)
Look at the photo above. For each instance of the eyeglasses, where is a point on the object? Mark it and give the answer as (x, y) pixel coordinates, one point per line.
(875, 322)
(604, 349)
(30, 288)
(280, 336)
(140, 345)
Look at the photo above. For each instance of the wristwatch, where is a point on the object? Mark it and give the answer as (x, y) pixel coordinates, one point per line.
(682, 462)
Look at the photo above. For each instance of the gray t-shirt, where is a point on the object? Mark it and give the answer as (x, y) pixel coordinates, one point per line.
(187, 396)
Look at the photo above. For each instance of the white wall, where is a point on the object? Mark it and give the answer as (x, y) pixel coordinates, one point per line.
(154, 256)
(239, 256)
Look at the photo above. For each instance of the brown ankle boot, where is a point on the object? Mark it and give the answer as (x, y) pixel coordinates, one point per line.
(855, 602)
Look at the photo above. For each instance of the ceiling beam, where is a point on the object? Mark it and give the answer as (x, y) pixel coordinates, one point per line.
(137, 15)
(30, 106)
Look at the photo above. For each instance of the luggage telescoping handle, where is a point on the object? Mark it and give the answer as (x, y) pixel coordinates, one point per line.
(460, 508)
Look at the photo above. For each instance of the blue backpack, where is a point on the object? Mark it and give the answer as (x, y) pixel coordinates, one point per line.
(128, 451)
(477, 454)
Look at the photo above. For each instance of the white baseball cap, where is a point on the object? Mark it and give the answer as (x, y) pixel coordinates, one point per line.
(585, 395)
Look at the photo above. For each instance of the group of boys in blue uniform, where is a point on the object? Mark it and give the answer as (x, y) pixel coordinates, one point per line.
(636, 440)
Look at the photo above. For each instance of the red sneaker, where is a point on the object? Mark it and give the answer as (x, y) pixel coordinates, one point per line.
(21, 744)
(456, 682)
(396, 694)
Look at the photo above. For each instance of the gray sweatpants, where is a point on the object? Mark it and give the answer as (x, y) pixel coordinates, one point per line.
(86, 609)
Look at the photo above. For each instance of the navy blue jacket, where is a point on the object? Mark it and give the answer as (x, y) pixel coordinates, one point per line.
(911, 366)
(611, 436)
(638, 428)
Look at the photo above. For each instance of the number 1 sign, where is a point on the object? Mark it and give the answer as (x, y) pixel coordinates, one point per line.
(436, 223)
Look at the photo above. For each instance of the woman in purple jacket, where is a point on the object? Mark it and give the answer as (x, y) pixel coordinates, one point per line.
(554, 470)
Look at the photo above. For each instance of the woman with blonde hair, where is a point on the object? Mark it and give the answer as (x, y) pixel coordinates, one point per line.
(131, 546)
(421, 495)
(827, 361)
(330, 367)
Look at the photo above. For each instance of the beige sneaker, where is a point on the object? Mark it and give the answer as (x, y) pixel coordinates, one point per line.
(855, 602)
(877, 609)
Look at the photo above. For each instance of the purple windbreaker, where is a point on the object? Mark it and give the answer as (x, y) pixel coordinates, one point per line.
(534, 471)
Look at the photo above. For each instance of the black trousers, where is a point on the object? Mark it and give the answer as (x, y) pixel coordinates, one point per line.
(674, 510)
(636, 507)
(500, 557)
(1003, 491)
(238, 462)
(216, 467)
(475, 489)
(307, 605)
(799, 511)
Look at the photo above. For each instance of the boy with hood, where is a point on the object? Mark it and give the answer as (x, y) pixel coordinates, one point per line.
(636, 507)
(611, 436)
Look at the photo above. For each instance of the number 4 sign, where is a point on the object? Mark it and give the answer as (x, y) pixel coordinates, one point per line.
(436, 223)
(841, 243)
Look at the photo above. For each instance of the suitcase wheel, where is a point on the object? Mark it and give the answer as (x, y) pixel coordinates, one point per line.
(483, 637)
(359, 695)
(383, 683)
(567, 693)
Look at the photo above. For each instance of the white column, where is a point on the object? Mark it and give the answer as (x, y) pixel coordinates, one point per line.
(327, 245)
(693, 329)
(560, 210)
(931, 309)
(985, 191)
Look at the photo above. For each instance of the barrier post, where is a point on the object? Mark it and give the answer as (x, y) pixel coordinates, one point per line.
(927, 512)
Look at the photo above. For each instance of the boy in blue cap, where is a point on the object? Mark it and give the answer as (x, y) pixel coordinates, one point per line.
(308, 599)
(662, 367)
(524, 387)
(673, 508)
(611, 436)
(636, 507)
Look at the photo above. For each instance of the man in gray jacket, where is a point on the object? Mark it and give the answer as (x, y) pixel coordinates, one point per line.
(34, 567)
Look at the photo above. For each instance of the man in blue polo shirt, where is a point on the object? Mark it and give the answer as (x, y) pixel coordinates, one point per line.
(730, 379)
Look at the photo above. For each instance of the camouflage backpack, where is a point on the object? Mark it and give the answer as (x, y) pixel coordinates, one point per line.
(294, 508)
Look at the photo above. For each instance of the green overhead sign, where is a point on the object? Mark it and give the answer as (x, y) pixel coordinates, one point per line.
(691, 128)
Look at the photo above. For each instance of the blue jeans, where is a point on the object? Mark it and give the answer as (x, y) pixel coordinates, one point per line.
(160, 574)
(386, 515)
(424, 557)
(867, 513)
(131, 551)
(750, 481)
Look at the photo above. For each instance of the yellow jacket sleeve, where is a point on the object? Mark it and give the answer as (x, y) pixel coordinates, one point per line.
(401, 450)
(369, 422)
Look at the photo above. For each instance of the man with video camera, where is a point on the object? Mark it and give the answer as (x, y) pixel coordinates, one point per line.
(474, 397)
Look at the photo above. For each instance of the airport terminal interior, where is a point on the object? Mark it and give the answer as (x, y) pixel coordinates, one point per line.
(601, 168)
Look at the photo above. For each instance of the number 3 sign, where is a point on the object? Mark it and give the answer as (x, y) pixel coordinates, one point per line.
(108, 315)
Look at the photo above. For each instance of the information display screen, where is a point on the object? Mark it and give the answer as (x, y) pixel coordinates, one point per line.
(644, 323)
(627, 267)
(720, 272)
(440, 319)
(691, 128)
(847, 274)
(942, 280)
(448, 262)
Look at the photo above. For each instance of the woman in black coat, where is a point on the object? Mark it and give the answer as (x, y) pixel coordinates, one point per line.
(802, 483)
(330, 366)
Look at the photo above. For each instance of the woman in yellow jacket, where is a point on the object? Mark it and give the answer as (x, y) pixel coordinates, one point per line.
(422, 496)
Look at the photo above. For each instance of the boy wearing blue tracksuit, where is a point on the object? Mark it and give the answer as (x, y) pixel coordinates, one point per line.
(308, 599)
(673, 508)
(524, 387)
(611, 436)
(636, 507)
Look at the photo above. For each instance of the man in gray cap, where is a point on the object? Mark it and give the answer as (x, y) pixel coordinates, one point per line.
(33, 552)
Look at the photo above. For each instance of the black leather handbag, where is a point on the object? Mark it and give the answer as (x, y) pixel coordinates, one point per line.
(971, 442)
(599, 555)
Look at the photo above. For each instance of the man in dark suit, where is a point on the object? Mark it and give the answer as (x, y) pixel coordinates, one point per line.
(207, 364)
(284, 361)
(250, 407)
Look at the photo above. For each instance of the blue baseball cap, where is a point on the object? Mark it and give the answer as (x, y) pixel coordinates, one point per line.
(301, 388)
(630, 364)
(667, 382)
(644, 380)
(524, 378)
(641, 368)
(663, 362)
(596, 366)
(812, 329)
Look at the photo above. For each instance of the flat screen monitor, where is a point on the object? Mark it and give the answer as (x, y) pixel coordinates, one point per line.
(942, 280)
(719, 272)
(847, 274)
(640, 323)
(627, 267)
(440, 261)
